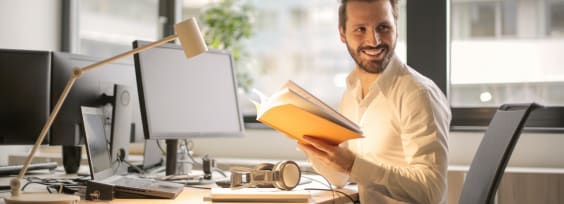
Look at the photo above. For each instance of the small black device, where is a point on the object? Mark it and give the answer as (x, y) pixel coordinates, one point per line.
(99, 191)
(207, 167)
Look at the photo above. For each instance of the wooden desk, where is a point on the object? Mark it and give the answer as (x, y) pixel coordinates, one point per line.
(193, 195)
(197, 196)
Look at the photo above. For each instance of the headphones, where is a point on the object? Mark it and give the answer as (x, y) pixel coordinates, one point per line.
(284, 175)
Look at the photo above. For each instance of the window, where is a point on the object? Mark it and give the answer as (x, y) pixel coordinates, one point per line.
(298, 40)
(106, 27)
(501, 54)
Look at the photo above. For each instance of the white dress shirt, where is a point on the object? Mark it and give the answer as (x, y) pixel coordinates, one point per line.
(403, 156)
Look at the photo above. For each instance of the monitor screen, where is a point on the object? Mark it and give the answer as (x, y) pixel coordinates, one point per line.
(96, 141)
(183, 98)
(88, 91)
(24, 95)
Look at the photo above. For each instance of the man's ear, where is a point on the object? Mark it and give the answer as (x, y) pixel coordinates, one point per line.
(342, 35)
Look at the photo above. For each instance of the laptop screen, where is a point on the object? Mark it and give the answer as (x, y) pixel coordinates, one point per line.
(96, 143)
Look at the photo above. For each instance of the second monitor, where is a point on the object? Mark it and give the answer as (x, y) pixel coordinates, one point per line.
(184, 98)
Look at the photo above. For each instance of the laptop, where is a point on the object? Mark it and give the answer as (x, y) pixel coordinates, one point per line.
(101, 171)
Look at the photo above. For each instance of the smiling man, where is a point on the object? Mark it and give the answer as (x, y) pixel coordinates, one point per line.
(404, 116)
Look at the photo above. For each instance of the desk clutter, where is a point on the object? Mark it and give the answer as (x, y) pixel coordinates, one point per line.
(217, 188)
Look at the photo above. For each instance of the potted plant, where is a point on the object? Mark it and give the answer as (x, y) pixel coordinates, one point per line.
(225, 25)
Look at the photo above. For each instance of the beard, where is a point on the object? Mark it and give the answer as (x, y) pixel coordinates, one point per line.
(372, 66)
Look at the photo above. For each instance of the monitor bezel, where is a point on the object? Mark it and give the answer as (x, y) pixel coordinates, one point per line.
(31, 121)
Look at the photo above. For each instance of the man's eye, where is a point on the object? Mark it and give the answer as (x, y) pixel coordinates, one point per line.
(383, 28)
(360, 29)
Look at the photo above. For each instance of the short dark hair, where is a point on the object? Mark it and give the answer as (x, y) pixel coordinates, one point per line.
(343, 10)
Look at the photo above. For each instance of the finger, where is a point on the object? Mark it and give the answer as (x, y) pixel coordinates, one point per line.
(311, 150)
(320, 144)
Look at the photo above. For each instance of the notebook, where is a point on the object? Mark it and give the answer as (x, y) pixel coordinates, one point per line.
(251, 195)
(97, 149)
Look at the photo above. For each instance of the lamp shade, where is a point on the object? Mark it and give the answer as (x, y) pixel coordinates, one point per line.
(190, 37)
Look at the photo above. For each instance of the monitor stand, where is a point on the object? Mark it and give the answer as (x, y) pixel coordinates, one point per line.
(171, 162)
(171, 149)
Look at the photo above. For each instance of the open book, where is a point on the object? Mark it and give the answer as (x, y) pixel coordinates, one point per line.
(295, 112)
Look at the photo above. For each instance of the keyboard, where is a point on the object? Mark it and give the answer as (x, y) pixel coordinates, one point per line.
(133, 182)
(15, 169)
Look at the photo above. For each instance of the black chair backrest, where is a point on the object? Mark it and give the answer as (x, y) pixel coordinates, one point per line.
(493, 153)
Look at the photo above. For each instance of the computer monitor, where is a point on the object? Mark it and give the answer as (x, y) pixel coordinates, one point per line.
(121, 125)
(184, 98)
(88, 91)
(24, 95)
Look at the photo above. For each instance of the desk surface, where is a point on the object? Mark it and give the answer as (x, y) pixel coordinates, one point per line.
(197, 195)
(194, 195)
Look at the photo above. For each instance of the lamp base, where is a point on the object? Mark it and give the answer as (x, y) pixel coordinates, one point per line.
(43, 198)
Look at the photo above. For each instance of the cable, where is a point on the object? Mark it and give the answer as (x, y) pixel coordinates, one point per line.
(328, 185)
(189, 146)
(139, 170)
(120, 159)
(220, 172)
(326, 180)
(56, 184)
(198, 187)
(163, 152)
(337, 191)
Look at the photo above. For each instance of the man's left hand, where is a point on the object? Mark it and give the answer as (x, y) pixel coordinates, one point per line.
(339, 158)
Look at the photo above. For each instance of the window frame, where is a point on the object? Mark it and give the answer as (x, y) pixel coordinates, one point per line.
(431, 28)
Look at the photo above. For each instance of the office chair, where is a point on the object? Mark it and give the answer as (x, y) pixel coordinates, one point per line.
(489, 163)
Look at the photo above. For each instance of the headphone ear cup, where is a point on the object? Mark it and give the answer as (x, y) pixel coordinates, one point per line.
(264, 167)
(289, 175)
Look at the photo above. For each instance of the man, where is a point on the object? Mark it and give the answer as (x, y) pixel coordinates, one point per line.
(404, 116)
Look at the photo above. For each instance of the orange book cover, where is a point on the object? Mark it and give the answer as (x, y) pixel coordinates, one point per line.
(295, 112)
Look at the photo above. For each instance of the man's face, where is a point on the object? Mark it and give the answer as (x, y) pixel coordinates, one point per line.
(370, 34)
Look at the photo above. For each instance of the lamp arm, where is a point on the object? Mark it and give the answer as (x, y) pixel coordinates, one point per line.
(15, 183)
(131, 52)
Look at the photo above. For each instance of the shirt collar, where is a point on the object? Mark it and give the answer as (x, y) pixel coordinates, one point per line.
(385, 81)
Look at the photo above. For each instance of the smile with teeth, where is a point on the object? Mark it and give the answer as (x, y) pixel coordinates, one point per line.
(373, 52)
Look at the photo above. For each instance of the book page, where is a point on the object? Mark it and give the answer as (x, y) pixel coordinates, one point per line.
(328, 112)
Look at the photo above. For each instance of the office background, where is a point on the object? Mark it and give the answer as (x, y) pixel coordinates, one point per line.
(37, 25)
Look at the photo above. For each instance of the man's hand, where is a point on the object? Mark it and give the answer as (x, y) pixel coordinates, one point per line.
(338, 158)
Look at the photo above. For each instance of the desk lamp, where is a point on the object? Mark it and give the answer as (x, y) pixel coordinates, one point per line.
(193, 44)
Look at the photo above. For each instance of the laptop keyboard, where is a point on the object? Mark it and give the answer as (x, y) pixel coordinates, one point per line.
(133, 182)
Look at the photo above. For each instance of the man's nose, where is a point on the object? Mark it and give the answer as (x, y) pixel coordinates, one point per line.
(373, 39)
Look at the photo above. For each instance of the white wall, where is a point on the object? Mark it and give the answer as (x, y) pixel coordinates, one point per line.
(28, 24)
